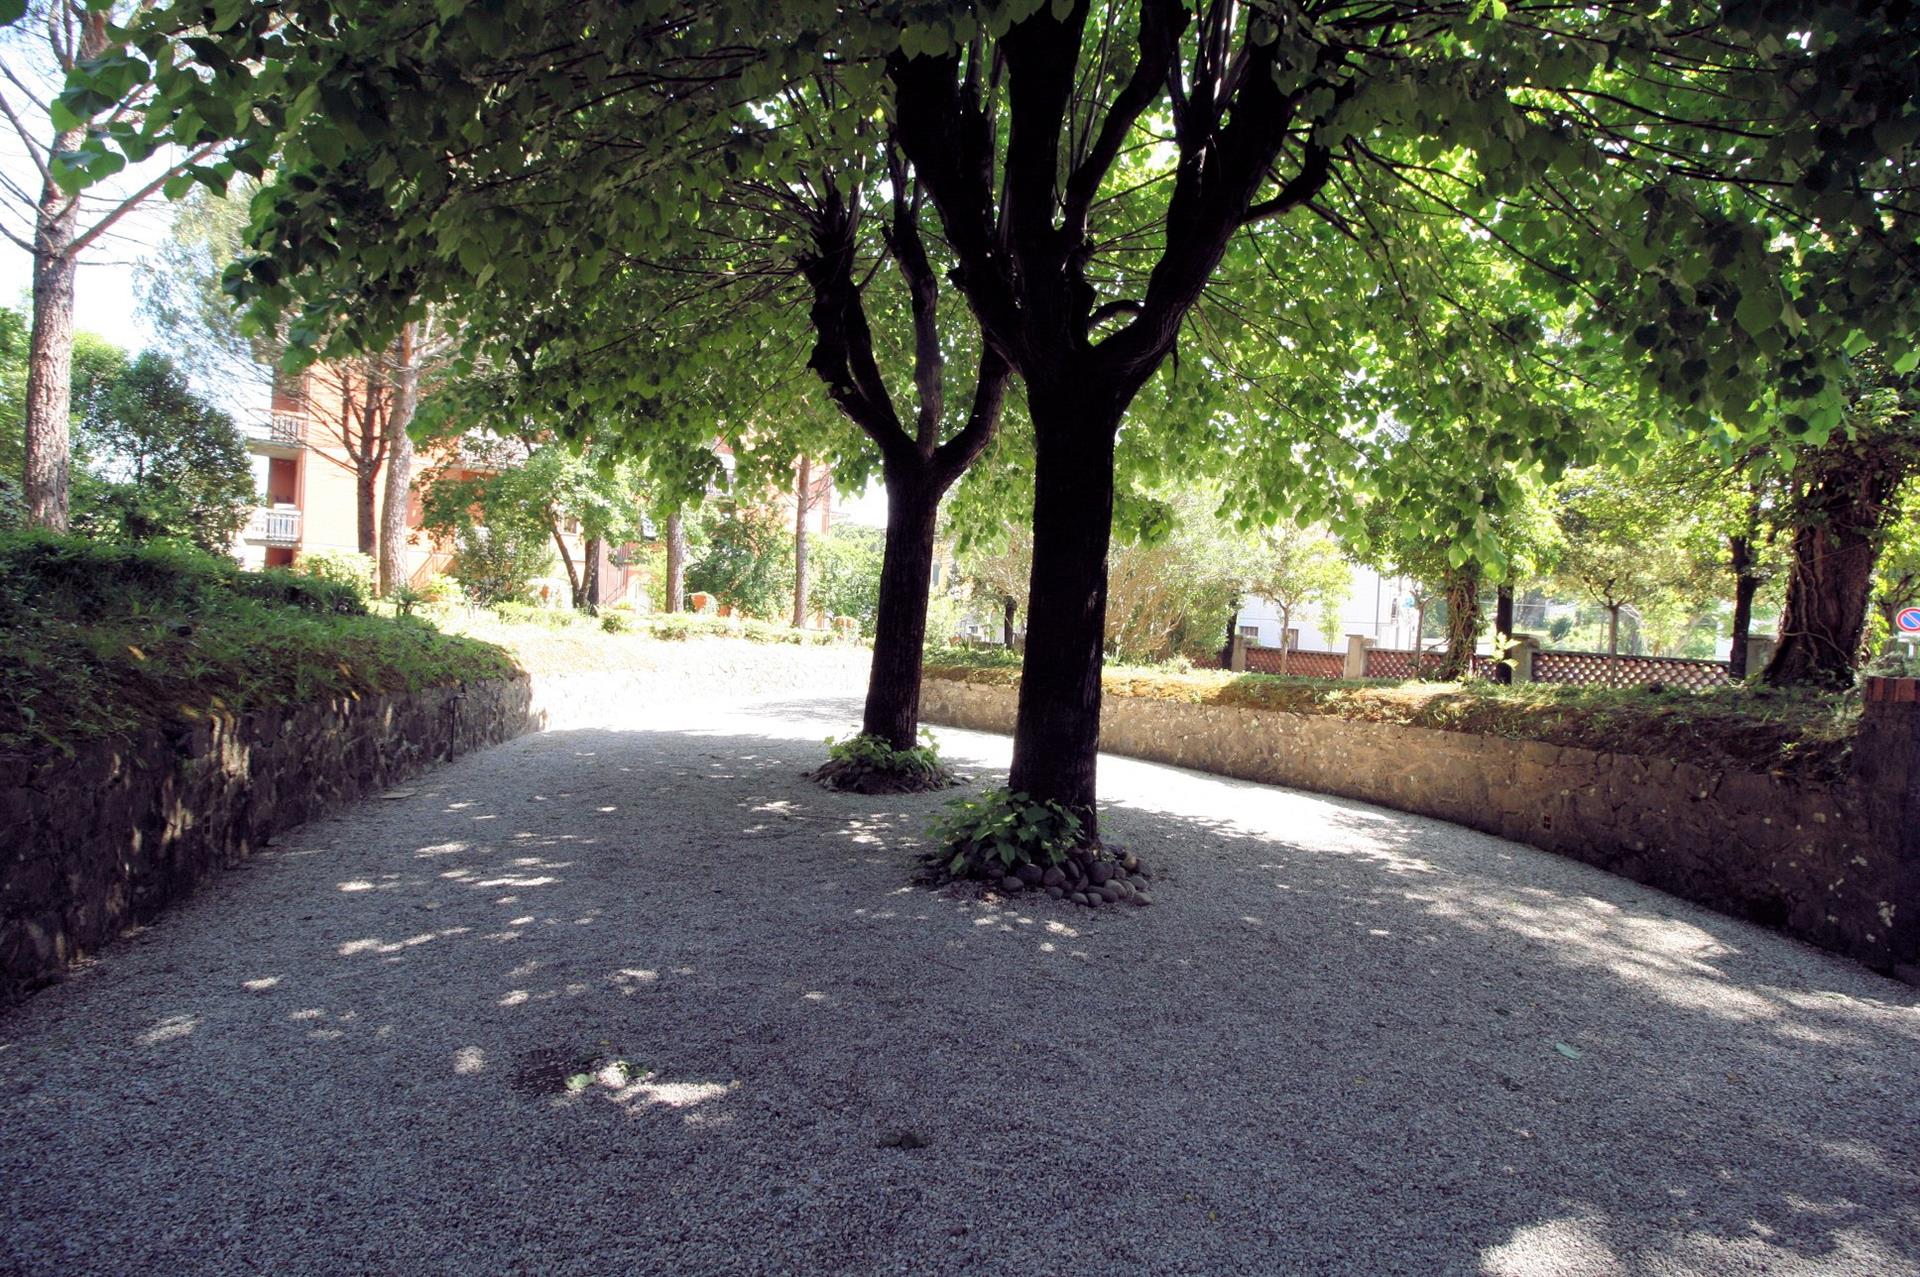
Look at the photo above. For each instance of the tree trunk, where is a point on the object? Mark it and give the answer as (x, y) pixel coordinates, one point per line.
(399, 479)
(366, 483)
(49, 456)
(48, 470)
(1007, 607)
(1613, 633)
(1745, 585)
(590, 589)
(1503, 626)
(1463, 624)
(1847, 497)
(1285, 645)
(676, 562)
(900, 626)
(1420, 637)
(1233, 629)
(1057, 730)
(800, 488)
(566, 560)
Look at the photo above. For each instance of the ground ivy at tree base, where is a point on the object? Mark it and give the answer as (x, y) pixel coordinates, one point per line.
(866, 764)
(1012, 843)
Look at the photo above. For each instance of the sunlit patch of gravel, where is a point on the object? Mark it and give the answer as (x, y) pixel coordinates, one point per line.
(649, 1001)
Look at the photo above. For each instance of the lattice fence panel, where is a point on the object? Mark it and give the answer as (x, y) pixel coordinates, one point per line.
(1390, 662)
(1596, 669)
(1398, 663)
(1266, 660)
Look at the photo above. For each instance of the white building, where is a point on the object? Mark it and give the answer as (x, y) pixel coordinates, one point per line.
(1379, 607)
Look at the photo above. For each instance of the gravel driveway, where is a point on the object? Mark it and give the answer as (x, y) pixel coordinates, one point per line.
(645, 1001)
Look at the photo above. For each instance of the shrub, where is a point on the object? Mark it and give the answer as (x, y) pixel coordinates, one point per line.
(554, 618)
(866, 764)
(440, 591)
(105, 640)
(616, 622)
(672, 626)
(1894, 665)
(999, 831)
(972, 658)
(1808, 734)
(498, 566)
(298, 589)
(72, 576)
(347, 568)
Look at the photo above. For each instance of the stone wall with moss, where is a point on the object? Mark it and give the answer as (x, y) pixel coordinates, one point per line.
(1836, 863)
(104, 839)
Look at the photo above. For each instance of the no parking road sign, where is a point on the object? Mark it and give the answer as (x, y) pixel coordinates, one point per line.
(1908, 620)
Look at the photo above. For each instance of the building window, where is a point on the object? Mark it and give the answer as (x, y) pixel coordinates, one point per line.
(1251, 633)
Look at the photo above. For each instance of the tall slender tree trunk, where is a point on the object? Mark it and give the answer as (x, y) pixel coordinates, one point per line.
(49, 445)
(1502, 672)
(1847, 496)
(900, 625)
(1286, 643)
(801, 486)
(48, 470)
(366, 485)
(590, 587)
(399, 476)
(1613, 632)
(574, 591)
(1057, 729)
(676, 561)
(1007, 607)
(1745, 584)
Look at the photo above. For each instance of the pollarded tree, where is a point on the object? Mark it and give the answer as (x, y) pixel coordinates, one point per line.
(591, 266)
(1000, 570)
(1091, 173)
(1017, 117)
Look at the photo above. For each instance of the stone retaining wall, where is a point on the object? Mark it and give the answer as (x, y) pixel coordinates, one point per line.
(1835, 864)
(95, 843)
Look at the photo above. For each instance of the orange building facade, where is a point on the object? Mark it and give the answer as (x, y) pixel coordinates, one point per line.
(322, 446)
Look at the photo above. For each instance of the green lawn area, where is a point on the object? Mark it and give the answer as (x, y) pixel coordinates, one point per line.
(1802, 733)
(106, 640)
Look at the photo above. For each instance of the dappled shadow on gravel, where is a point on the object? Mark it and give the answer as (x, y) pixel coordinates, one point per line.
(606, 1001)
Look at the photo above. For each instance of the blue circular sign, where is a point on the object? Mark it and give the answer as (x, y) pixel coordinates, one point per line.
(1909, 620)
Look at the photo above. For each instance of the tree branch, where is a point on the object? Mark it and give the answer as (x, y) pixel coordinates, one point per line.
(945, 132)
(953, 457)
(843, 341)
(136, 199)
(923, 289)
(1161, 24)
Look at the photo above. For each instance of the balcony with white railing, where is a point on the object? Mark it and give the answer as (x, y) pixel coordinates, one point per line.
(281, 429)
(276, 525)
